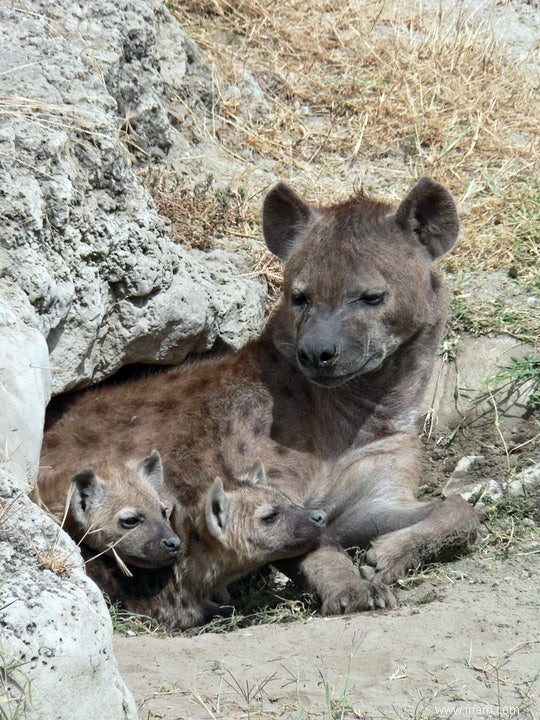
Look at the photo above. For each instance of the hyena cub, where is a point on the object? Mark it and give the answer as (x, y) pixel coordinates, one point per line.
(232, 530)
(115, 509)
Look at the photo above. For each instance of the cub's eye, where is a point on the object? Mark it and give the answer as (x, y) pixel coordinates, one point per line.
(130, 521)
(271, 518)
(371, 298)
(166, 511)
(298, 299)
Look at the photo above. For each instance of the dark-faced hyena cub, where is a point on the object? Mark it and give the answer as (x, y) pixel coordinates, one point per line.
(120, 510)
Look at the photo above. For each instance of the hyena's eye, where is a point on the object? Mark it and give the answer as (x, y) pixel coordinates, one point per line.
(130, 521)
(298, 299)
(371, 298)
(271, 518)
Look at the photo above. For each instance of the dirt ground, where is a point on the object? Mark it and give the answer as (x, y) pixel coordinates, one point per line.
(465, 641)
(463, 644)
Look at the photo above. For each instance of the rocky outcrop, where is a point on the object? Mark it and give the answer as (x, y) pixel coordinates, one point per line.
(87, 260)
(89, 281)
(56, 656)
(467, 386)
(463, 390)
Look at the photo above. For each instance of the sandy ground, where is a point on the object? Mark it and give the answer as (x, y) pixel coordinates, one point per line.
(466, 642)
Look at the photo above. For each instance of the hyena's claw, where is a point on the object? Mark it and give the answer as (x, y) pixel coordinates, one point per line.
(367, 572)
(384, 597)
(361, 595)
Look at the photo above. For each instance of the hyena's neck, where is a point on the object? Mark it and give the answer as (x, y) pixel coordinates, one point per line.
(373, 405)
(205, 563)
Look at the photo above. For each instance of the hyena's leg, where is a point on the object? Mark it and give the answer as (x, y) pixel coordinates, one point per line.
(378, 483)
(449, 528)
(330, 573)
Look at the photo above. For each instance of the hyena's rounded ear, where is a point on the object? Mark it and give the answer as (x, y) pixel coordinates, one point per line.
(257, 474)
(284, 215)
(87, 492)
(151, 470)
(429, 211)
(217, 509)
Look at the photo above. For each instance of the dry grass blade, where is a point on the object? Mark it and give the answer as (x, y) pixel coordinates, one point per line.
(121, 564)
(55, 116)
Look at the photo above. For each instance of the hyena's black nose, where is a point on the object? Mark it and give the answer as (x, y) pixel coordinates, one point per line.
(318, 518)
(172, 543)
(318, 355)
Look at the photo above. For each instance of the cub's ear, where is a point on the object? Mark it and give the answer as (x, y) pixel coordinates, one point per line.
(151, 470)
(87, 493)
(217, 510)
(257, 474)
(430, 213)
(284, 216)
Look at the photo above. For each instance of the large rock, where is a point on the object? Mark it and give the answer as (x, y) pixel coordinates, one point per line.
(81, 237)
(464, 389)
(56, 655)
(56, 658)
(25, 386)
(470, 387)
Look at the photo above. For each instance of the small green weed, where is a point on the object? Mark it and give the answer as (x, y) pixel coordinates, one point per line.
(523, 217)
(489, 318)
(522, 371)
(338, 704)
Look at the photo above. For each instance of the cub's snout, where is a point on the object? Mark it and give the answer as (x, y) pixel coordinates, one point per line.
(318, 518)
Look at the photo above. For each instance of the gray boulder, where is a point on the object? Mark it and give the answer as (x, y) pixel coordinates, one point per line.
(486, 491)
(464, 390)
(25, 386)
(81, 237)
(468, 387)
(56, 658)
(56, 655)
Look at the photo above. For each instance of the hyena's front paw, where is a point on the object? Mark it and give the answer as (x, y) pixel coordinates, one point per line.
(213, 611)
(357, 596)
(388, 560)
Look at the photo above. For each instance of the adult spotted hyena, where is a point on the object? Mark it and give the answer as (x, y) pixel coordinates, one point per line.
(328, 397)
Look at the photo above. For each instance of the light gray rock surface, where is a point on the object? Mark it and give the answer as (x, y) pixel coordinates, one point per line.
(467, 387)
(480, 493)
(56, 658)
(462, 390)
(56, 655)
(81, 237)
(526, 486)
(25, 384)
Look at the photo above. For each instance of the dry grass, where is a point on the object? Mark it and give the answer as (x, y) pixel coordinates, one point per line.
(383, 90)
(202, 213)
(50, 117)
(206, 216)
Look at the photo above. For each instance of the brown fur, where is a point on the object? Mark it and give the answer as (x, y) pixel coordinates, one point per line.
(228, 533)
(118, 509)
(328, 397)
